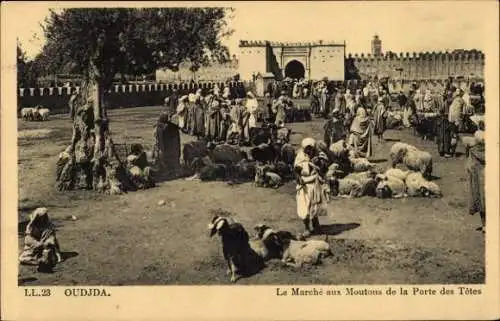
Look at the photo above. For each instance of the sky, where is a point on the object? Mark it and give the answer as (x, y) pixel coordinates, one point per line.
(402, 26)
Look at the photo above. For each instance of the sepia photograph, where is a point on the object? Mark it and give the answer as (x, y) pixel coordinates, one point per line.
(311, 143)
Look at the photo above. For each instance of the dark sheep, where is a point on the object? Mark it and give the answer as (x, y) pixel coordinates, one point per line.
(226, 154)
(287, 154)
(263, 154)
(213, 172)
(192, 150)
(244, 170)
(261, 136)
(425, 127)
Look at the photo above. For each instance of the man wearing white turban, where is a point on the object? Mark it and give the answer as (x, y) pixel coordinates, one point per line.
(310, 196)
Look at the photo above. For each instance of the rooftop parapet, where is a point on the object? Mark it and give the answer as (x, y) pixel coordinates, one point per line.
(262, 43)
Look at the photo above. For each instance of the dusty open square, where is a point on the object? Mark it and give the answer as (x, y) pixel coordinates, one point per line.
(130, 239)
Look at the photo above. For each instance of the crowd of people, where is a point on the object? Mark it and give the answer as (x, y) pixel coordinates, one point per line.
(219, 117)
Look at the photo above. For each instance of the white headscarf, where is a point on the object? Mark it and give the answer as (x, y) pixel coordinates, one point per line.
(35, 216)
(308, 141)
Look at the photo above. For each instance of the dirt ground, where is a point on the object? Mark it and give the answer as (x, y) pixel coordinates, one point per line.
(131, 240)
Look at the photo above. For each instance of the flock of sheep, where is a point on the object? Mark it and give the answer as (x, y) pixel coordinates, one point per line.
(351, 176)
(348, 175)
(37, 113)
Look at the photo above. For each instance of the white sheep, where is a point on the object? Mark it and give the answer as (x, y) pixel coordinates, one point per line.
(417, 185)
(345, 187)
(398, 151)
(339, 149)
(43, 114)
(411, 157)
(266, 178)
(298, 253)
(397, 173)
(390, 187)
(367, 181)
(360, 164)
(419, 161)
(27, 113)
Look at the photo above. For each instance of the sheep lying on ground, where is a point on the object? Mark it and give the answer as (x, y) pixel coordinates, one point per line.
(390, 187)
(345, 187)
(360, 164)
(339, 149)
(412, 158)
(244, 170)
(397, 173)
(298, 253)
(213, 172)
(270, 246)
(417, 185)
(366, 180)
(266, 178)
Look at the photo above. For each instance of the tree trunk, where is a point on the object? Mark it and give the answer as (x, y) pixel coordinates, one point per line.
(90, 161)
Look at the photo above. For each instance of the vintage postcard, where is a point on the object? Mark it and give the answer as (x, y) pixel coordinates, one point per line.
(333, 160)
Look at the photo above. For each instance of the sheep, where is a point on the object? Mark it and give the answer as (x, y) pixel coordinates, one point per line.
(417, 185)
(267, 242)
(339, 153)
(345, 187)
(299, 253)
(397, 173)
(213, 172)
(339, 149)
(225, 154)
(259, 247)
(27, 113)
(265, 178)
(263, 154)
(287, 155)
(390, 187)
(261, 136)
(35, 114)
(398, 151)
(321, 146)
(283, 135)
(367, 181)
(281, 169)
(333, 170)
(419, 161)
(361, 164)
(43, 114)
(412, 158)
(424, 125)
(394, 120)
(192, 150)
(244, 170)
